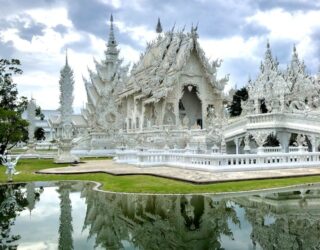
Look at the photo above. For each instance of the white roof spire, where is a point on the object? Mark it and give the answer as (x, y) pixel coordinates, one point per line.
(159, 27)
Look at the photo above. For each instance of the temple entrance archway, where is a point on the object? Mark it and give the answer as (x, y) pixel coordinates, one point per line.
(190, 108)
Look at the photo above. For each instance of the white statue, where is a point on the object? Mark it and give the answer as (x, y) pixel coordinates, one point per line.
(10, 165)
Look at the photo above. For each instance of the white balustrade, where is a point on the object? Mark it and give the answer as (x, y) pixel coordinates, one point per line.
(293, 149)
(272, 149)
(218, 162)
(299, 123)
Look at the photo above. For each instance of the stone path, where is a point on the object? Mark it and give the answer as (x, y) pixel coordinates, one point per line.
(194, 176)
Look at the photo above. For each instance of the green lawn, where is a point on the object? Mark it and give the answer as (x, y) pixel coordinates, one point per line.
(146, 184)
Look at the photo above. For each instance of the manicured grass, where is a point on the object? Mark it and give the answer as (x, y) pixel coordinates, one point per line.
(144, 184)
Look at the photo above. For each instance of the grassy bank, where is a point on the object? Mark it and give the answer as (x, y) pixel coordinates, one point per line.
(147, 184)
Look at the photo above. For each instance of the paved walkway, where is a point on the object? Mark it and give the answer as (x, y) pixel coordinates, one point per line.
(194, 176)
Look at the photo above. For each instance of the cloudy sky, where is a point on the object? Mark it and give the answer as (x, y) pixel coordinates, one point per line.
(38, 31)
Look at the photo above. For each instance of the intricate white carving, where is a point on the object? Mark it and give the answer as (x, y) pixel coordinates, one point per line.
(115, 100)
(260, 137)
(290, 91)
(66, 131)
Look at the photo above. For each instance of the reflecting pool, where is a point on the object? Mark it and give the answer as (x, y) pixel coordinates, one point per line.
(71, 215)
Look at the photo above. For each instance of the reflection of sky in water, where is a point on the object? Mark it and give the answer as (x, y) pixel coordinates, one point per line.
(39, 228)
(241, 238)
(134, 222)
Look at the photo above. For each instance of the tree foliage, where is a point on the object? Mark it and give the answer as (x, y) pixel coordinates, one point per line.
(12, 202)
(13, 128)
(235, 107)
(39, 113)
(39, 134)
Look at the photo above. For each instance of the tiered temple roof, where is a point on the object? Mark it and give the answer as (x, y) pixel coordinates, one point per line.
(160, 66)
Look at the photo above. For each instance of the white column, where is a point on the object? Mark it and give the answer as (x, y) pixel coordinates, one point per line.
(204, 113)
(313, 141)
(127, 122)
(246, 144)
(236, 141)
(176, 111)
(284, 138)
(142, 116)
(257, 106)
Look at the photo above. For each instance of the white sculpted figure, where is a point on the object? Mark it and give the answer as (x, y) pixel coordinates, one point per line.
(185, 122)
(169, 117)
(301, 140)
(10, 165)
(66, 131)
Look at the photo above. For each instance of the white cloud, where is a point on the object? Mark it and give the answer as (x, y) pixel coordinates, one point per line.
(51, 17)
(286, 25)
(137, 5)
(47, 52)
(233, 47)
(41, 86)
(141, 34)
(293, 26)
(128, 53)
(115, 3)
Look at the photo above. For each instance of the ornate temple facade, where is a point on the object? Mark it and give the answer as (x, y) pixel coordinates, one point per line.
(171, 97)
(283, 104)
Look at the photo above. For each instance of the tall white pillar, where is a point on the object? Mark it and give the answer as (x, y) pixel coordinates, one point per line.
(313, 141)
(204, 113)
(284, 138)
(236, 141)
(176, 112)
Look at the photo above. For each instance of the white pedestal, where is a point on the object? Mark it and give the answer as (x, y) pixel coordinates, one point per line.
(64, 153)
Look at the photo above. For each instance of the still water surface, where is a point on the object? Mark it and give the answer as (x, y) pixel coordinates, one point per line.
(71, 215)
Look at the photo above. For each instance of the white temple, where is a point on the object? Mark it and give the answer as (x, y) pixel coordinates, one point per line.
(171, 102)
(171, 98)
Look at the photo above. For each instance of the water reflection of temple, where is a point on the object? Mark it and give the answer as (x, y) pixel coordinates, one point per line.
(157, 222)
(286, 220)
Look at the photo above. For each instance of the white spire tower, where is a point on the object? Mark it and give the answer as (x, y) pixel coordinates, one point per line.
(112, 51)
(66, 91)
(65, 131)
(31, 113)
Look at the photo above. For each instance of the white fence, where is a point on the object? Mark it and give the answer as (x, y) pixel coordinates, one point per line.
(278, 149)
(215, 162)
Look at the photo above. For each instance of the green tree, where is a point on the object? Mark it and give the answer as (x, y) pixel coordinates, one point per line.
(13, 128)
(39, 134)
(235, 107)
(39, 113)
(12, 202)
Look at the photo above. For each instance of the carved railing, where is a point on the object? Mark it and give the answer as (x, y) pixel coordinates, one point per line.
(221, 162)
(295, 122)
(260, 118)
(278, 149)
(298, 149)
(272, 149)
